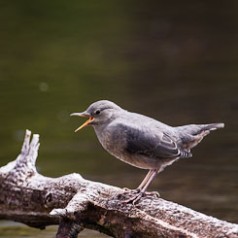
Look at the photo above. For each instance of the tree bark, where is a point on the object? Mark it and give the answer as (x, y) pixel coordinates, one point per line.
(75, 203)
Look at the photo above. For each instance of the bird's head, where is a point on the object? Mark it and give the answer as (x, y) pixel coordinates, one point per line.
(98, 113)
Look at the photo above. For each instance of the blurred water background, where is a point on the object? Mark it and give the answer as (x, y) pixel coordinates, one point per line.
(176, 61)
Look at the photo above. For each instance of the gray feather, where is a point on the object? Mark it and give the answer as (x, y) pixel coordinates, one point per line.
(195, 129)
(139, 142)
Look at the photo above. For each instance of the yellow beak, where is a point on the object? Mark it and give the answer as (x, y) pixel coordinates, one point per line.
(90, 119)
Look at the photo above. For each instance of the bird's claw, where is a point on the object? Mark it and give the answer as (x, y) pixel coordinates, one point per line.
(126, 189)
(130, 196)
(139, 194)
(153, 194)
(135, 198)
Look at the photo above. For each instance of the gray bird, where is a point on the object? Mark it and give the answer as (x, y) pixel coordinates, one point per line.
(141, 141)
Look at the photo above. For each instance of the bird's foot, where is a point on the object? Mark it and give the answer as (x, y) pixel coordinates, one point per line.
(130, 196)
(126, 189)
(153, 194)
(133, 196)
(137, 194)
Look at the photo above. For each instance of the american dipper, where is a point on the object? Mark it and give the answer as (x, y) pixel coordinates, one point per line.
(140, 140)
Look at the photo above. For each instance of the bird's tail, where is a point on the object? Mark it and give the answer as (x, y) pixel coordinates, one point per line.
(192, 134)
(196, 129)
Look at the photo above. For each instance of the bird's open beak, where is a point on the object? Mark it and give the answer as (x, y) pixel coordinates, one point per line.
(83, 114)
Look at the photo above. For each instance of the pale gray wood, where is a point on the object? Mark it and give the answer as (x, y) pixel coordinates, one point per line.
(76, 203)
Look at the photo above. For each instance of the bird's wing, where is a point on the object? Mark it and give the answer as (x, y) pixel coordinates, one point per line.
(148, 143)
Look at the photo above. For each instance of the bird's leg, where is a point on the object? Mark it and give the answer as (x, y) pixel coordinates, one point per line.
(143, 186)
(153, 173)
(145, 180)
(143, 183)
(149, 180)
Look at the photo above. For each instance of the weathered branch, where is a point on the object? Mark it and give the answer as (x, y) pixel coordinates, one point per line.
(75, 203)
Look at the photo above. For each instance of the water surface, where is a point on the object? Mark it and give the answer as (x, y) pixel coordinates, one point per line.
(175, 61)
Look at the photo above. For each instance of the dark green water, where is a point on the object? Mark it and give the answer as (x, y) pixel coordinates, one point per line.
(175, 61)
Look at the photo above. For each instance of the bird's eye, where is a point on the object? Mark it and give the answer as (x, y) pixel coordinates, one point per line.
(97, 112)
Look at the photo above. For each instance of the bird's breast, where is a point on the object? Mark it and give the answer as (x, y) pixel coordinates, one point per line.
(111, 140)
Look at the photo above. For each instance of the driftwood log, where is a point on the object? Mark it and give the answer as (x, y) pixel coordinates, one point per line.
(75, 203)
